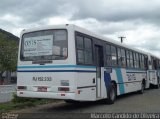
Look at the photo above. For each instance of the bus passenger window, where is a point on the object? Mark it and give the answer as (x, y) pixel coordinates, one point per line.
(108, 55)
(79, 41)
(143, 62)
(88, 51)
(127, 57)
(84, 50)
(80, 52)
(137, 60)
(80, 56)
(123, 57)
(134, 60)
(119, 56)
(131, 59)
(114, 55)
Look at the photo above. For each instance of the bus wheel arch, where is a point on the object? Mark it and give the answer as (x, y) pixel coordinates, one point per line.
(115, 86)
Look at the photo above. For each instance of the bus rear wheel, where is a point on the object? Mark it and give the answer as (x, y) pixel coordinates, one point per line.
(111, 93)
(158, 84)
(72, 101)
(142, 88)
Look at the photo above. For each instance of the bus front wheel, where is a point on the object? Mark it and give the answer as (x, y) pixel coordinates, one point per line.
(111, 93)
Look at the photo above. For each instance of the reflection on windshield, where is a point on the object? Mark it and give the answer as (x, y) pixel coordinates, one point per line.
(44, 45)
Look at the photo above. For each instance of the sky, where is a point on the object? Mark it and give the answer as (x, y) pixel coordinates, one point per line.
(137, 20)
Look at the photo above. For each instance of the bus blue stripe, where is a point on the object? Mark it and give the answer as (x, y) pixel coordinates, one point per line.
(85, 71)
(120, 80)
(56, 66)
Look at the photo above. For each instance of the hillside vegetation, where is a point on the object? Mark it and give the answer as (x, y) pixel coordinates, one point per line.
(8, 52)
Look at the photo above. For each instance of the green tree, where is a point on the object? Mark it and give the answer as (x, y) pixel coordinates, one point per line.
(8, 54)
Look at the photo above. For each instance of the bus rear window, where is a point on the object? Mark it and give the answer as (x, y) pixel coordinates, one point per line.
(44, 45)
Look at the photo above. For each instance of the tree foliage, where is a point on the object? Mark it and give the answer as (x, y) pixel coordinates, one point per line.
(8, 54)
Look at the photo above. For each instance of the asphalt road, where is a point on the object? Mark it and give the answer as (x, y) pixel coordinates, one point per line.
(149, 102)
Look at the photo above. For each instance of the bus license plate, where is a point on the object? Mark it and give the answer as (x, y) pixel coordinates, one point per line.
(42, 89)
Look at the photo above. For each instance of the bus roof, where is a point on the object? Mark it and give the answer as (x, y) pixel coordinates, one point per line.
(87, 32)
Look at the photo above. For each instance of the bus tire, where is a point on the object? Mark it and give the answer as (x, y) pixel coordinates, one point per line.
(111, 94)
(142, 87)
(158, 84)
(71, 101)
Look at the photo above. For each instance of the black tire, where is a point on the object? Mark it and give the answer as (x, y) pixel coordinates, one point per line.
(142, 88)
(111, 93)
(158, 85)
(71, 101)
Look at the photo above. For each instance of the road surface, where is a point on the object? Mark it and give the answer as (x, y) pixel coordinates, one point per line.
(149, 102)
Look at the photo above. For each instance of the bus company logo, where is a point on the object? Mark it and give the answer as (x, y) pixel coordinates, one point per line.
(42, 78)
(131, 77)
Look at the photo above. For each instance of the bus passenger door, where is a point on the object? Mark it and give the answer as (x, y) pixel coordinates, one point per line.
(99, 64)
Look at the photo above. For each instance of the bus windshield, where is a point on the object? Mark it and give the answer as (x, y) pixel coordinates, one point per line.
(44, 45)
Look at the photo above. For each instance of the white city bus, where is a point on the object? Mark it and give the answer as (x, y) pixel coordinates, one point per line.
(70, 63)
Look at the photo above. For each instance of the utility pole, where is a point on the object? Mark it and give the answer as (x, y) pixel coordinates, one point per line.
(121, 37)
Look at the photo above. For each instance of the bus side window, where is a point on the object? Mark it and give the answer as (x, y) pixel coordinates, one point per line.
(80, 52)
(108, 55)
(84, 50)
(143, 62)
(131, 59)
(153, 63)
(146, 62)
(88, 51)
(137, 60)
(128, 57)
(134, 60)
(114, 56)
(123, 53)
(119, 56)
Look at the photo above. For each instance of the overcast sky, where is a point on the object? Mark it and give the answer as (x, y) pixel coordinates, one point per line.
(137, 20)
